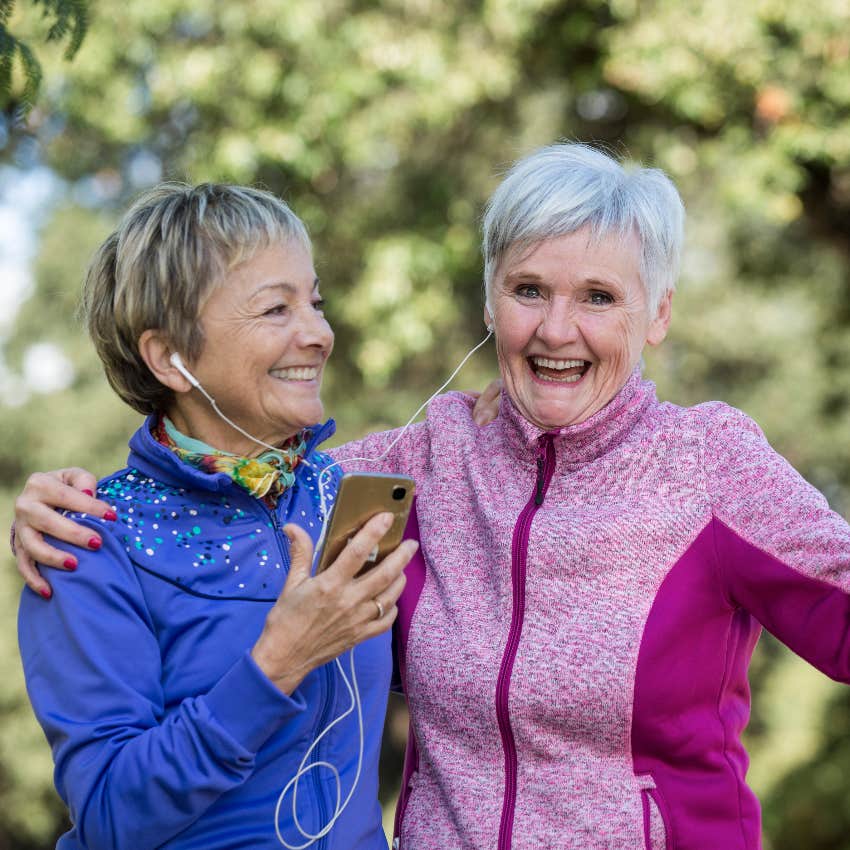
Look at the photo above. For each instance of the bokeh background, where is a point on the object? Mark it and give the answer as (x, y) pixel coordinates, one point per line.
(386, 125)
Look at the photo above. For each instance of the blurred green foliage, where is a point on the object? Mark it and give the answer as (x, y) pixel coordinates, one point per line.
(386, 125)
(20, 69)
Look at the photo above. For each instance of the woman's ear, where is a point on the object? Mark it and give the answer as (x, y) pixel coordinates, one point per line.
(658, 326)
(488, 319)
(156, 349)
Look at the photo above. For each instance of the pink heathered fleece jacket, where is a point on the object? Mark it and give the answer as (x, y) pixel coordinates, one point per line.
(576, 660)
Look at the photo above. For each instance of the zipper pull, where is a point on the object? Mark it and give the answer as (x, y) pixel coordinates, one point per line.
(538, 495)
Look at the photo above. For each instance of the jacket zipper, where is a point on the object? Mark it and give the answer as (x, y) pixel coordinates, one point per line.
(323, 720)
(519, 556)
(329, 692)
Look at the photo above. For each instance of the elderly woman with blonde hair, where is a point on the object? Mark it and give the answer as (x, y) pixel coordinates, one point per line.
(183, 678)
(596, 565)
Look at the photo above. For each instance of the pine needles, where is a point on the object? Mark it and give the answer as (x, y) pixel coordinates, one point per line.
(68, 21)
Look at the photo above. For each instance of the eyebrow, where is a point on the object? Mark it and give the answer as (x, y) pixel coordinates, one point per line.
(520, 275)
(282, 284)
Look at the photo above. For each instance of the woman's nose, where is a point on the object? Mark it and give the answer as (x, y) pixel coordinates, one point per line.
(559, 324)
(314, 329)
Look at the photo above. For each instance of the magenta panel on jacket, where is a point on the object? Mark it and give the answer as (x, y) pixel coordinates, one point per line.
(415, 573)
(692, 698)
(691, 703)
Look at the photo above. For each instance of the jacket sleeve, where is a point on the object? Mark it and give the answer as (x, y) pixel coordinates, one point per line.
(412, 451)
(133, 771)
(386, 451)
(782, 554)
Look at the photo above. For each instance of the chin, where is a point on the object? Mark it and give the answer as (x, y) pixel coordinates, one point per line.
(553, 419)
(314, 417)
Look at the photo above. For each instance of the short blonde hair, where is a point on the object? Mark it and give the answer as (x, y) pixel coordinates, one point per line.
(173, 246)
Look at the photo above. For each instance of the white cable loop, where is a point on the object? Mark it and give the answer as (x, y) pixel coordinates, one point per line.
(304, 768)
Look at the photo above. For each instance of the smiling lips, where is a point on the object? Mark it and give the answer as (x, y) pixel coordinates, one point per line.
(558, 371)
(297, 373)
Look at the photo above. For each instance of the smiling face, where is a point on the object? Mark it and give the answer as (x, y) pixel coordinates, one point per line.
(571, 320)
(265, 345)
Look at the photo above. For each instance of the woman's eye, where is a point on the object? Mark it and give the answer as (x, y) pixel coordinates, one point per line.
(275, 310)
(528, 290)
(319, 305)
(600, 298)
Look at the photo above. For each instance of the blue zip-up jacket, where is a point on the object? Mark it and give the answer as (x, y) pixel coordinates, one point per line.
(164, 731)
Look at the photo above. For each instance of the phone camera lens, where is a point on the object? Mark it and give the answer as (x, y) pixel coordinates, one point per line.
(399, 493)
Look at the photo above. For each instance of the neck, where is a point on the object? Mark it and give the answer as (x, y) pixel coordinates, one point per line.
(205, 426)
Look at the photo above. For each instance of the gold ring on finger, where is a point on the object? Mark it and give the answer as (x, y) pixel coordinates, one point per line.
(380, 609)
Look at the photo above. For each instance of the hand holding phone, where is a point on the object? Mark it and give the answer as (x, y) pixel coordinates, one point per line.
(317, 618)
(361, 496)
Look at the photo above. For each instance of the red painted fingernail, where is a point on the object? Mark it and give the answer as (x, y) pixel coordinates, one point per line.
(110, 514)
(45, 592)
(89, 492)
(69, 564)
(94, 543)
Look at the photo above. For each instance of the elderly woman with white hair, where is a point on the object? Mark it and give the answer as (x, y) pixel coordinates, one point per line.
(596, 565)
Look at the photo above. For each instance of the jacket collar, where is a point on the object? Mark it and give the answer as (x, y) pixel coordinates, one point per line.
(151, 457)
(585, 441)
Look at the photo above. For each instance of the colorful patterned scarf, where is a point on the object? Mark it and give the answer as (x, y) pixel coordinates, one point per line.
(264, 477)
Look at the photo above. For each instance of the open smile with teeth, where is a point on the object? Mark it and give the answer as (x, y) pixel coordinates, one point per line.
(558, 371)
(296, 373)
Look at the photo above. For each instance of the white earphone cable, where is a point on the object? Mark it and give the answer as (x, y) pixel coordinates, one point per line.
(395, 442)
(351, 685)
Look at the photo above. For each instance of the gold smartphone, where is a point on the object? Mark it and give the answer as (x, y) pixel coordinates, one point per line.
(360, 496)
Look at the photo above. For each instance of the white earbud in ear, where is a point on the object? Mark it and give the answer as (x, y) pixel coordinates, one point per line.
(177, 362)
(490, 328)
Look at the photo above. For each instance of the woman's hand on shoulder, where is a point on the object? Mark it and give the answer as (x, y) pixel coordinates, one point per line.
(317, 618)
(35, 515)
(486, 407)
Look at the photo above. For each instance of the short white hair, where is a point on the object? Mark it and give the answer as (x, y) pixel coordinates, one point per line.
(564, 187)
